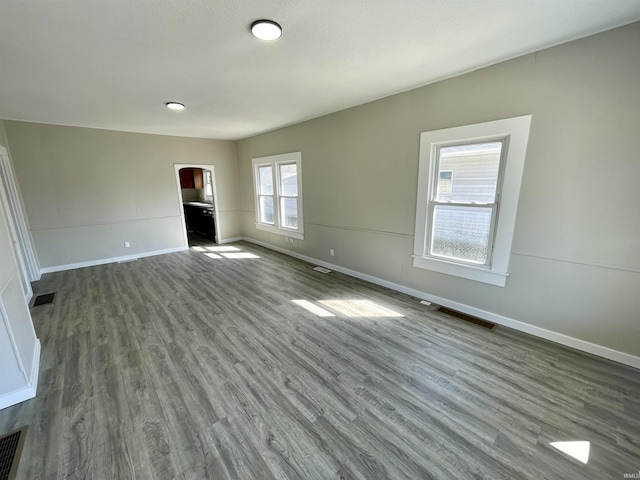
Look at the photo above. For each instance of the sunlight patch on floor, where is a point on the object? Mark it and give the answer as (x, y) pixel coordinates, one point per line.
(360, 308)
(313, 308)
(576, 449)
(222, 252)
(239, 255)
(223, 249)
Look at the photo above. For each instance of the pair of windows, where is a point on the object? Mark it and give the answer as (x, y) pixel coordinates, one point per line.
(468, 186)
(278, 187)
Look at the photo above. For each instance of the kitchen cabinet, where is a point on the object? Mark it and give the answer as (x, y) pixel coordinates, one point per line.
(191, 178)
(200, 219)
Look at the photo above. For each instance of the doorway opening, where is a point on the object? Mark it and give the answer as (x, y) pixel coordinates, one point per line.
(197, 189)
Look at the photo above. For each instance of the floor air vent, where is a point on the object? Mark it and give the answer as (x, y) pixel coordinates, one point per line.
(10, 450)
(467, 318)
(44, 299)
(322, 270)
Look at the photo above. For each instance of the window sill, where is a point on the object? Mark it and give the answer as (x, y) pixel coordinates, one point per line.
(285, 232)
(469, 272)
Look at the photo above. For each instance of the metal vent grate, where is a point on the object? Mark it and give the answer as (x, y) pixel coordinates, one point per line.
(322, 270)
(467, 318)
(10, 450)
(44, 299)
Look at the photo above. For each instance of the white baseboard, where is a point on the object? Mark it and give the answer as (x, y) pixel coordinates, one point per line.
(595, 349)
(229, 240)
(29, 391)
(103, 261)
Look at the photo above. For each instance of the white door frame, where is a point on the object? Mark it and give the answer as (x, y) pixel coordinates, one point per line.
(13, 237)
(11, 207)
(4, 318)
(216, 206)
(20, 221)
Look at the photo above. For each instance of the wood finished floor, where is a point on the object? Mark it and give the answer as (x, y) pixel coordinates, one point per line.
(201, 367)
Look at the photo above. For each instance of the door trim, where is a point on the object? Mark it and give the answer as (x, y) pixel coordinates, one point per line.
(28, 261)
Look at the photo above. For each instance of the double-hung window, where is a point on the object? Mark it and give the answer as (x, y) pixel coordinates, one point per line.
(468, 186)
(463, 213)
(278, 194)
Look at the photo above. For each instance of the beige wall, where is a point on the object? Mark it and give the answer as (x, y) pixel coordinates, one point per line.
(575, 263)
(87, 191)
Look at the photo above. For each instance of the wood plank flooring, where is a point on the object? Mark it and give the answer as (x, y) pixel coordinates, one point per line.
(188, 366)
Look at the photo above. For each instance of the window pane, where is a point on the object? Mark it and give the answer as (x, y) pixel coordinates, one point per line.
(265, 176)
(208, 185)
(289, 212)
(468, 173)
(461, 233)
(266, 209)
(289, 180)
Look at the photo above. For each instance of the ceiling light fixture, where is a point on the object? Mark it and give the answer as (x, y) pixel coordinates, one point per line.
(175, 106)
(266, 30)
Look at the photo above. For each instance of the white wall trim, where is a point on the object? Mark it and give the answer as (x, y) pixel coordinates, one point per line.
(29, 391)
(514, 133)
(15, 204)
(35, 370)
(103, 261)
(232, 239)
(582, 345)
(4, 317)
(8, 209)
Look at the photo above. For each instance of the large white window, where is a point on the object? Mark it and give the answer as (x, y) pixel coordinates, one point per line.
(278, 194)
(468, 186)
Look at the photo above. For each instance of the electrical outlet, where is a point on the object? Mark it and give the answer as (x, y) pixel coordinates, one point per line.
(126, 245)
(332, 252)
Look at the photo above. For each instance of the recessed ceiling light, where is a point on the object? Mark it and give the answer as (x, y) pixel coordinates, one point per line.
(266, 30)
(175, 106)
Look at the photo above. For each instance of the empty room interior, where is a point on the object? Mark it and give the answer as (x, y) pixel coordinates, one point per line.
(320, 240)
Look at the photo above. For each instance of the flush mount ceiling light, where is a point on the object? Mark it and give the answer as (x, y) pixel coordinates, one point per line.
(175, 106)
(266, 30)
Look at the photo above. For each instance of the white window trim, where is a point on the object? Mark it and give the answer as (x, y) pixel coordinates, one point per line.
(517, 131)
(275, 161)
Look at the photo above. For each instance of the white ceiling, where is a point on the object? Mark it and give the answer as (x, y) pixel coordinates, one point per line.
(114, 63)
